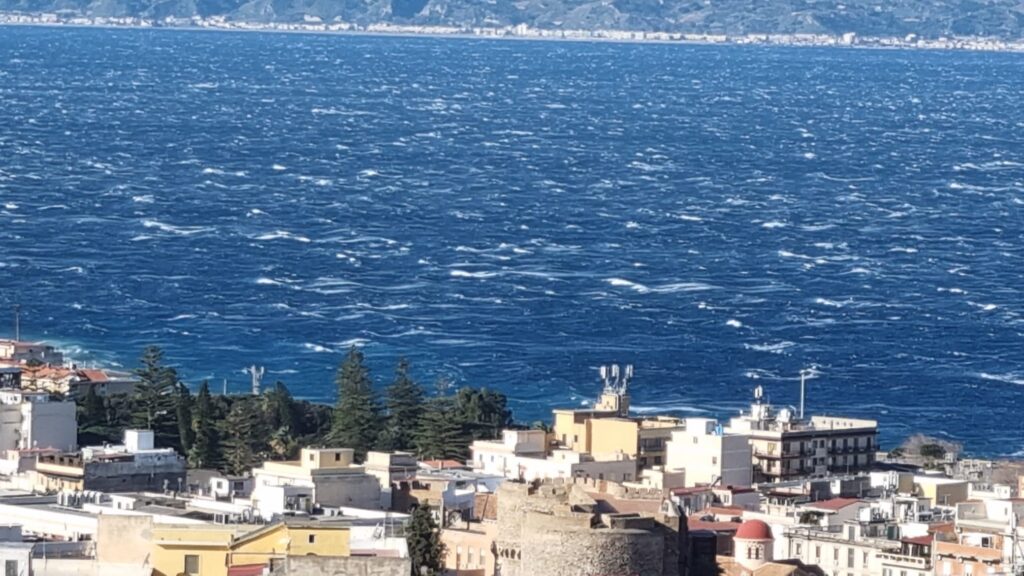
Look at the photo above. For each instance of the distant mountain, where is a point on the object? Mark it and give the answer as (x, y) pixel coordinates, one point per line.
(926, 18)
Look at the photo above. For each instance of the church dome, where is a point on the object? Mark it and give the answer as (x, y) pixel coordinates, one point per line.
(754, 530)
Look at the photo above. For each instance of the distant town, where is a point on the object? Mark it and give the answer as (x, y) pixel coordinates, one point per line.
(129, 473)
(523, 31)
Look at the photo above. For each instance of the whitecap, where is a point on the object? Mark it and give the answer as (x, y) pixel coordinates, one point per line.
(775, 348)
(810, 155)
(11, 206)
(1008, 378)
(689, 218)
(623, 283)
(829, 303)
(143, 199)
(772, 224)
(282, 235)
(466, 274)
(179, 230)
(278, 168)
(317, 348)
(182, 317)
(734, 323)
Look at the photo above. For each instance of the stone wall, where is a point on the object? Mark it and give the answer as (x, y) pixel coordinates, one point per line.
(553, 529)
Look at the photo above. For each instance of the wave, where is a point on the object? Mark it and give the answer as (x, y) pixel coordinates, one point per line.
(734, 323)
(1008, 378)
(466, 274)
(623, 283)
(318, 348)
(773, 224)
(775, 348)
(179, 230)
(282, 235)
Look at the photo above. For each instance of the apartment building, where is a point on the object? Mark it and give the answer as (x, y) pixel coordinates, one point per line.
(786, 445)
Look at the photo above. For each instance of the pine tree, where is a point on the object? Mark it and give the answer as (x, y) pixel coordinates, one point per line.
(439, 434)
(423, 537)
(482, 413)
(405, 406)
(280, 411)
(92, 418)
(244, 435)
(154, 399)
(205, 450)
(183, 413)
(355, 421)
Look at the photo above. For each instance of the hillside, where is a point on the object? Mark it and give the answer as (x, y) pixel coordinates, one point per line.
(927, 18)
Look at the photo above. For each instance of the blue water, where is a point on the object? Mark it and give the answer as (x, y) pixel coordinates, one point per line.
(513, 214)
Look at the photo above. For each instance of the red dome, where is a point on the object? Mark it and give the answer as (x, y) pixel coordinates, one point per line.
(754, 530)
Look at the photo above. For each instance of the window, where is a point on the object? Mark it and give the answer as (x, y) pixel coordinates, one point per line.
(798, 548)
(835, 555)
(714, 460)
(337, 457)
(10, 568)
(817, 553)
(849, 558)
(312, 538)
(657, 460)
(575, 438)
(192, 564)
(311, 457)
(864, 560)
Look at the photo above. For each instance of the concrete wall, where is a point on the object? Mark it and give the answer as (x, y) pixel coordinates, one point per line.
(124, 540)
(614, 436)
(83, 567)
(352, 566)
(49, 425)
(352, 490)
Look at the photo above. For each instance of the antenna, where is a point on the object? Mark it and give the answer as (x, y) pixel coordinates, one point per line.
(17, 322)
(224, 391)
(804, 373)
(257, 377)
(758, 394)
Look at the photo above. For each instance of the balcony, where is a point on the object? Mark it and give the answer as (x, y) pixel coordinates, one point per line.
(902, 561)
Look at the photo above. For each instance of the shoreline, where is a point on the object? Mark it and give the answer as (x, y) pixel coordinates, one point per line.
(523, 34)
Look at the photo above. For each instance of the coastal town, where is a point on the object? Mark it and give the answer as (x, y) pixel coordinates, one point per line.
(597, 490)
(521, 32)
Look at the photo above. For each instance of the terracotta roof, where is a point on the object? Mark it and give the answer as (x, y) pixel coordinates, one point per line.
(94, 375)
(485, 506)
(246, 570)
(754, 530)
(834, 504)
(922, 540)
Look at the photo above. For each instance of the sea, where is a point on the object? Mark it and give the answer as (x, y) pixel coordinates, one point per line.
(515, 214)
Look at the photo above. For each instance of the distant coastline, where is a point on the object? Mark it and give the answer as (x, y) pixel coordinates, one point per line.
(521, 32)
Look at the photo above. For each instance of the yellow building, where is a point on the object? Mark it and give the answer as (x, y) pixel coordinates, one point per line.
(214, 550)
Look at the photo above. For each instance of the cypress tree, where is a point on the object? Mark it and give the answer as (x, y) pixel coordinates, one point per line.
(154, 401)
(439, 434)
(405, 406)
(205, 450)
(423, 537)
(355, 420)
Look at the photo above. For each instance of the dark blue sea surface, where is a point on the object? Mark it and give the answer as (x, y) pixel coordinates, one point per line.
(513, 214)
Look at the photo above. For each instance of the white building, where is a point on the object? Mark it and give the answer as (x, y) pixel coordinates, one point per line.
(786, 445)
(321, 477)
(30, 420)
(709, 455)
(520, 455)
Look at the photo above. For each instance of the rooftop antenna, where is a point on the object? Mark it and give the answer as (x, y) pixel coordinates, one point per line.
(616, 378)
(225, 387)
(758, 393)
(17, 322)
(257, 377)
(803, 389)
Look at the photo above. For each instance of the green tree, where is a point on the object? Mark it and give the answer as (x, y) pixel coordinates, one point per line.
(205, 451)
(183, 414)
(423, 537)
(440, 433)
(405, 406)
(244, 435)
(482, 413)
(355, 421)
(92, 418)
(934, 451)
(154, 399)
